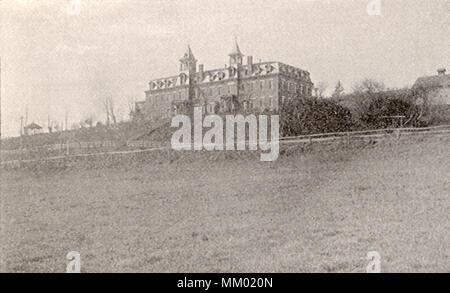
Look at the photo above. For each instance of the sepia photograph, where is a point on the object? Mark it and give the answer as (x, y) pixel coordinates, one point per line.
(225, 137)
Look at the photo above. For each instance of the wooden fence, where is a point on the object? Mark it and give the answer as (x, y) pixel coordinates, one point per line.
(98, 148)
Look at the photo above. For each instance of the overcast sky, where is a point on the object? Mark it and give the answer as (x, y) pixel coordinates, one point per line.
(53, 61)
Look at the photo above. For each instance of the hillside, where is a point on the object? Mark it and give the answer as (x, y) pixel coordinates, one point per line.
(120, 134)
(313, 210)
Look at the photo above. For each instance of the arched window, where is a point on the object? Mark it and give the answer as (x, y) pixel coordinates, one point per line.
(183, 78)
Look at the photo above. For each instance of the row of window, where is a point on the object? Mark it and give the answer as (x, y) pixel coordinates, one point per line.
(247, 86)
(258, 85)
(168, 97)
(182, 95)
(219, 90)
(294, 87)
(260, 103)
(162, 113)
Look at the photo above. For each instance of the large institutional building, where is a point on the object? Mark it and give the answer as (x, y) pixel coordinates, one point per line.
(236, 88)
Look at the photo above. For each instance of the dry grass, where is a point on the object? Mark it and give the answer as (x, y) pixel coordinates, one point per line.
(310, 211)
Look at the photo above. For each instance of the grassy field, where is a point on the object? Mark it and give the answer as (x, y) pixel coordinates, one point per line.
(317, 210)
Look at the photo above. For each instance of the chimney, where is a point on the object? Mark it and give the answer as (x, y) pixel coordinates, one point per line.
(200, 71)
(250, 64)
(441, 71)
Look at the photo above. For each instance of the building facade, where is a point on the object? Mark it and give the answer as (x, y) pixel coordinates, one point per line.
(236, 88)
(438, 87)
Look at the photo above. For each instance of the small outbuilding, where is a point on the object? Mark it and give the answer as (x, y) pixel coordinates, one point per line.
(32, 128)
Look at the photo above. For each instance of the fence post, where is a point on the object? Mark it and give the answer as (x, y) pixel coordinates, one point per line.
(67, 148)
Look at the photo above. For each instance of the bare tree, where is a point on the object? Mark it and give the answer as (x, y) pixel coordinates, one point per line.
(365, 92)
(108, 107)
(420, 96)
(49, 124)
(76, 126)
(369, 86)
(112, 111)
(66, 117)
(321, 89)
(131, 107)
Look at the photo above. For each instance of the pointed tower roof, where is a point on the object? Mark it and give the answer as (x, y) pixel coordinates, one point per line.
(188, 55)
(236, 51)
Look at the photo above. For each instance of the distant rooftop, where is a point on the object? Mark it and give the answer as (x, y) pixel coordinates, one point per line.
(33, 126)
(433, 81)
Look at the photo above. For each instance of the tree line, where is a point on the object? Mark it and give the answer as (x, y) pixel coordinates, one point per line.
(370, 105)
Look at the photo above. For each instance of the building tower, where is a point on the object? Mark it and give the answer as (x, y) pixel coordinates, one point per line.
(188, 62)
(235, 56)
(236, 66)
(188, 68)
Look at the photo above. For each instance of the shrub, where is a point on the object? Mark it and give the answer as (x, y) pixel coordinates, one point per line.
(386, 110)
(308, 115)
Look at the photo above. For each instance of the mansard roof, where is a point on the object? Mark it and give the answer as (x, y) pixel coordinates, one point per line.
(221, 74)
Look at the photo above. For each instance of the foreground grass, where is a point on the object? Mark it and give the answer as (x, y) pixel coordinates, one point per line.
(316, 211)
